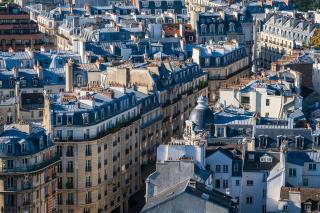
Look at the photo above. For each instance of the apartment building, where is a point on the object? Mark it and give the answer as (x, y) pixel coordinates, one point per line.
(261, 95)
(223, 24)
(176, 84)
(28, 178)
(17, 31)
(225, 63)
(97, 137)
(282, 34)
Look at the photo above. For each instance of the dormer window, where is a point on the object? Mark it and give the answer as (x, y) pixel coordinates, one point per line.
(299, 142)
(96, 116)
(35, 82)
(145, 4)
(316, 140)
(11, 83)
(307, 207)
(170, 3)
(23, 82)
(280, 139)
(23, 147)
(9, 149)
(158, 3)
(69, 119)
(263, 141)
(85, 118)
(231, 27)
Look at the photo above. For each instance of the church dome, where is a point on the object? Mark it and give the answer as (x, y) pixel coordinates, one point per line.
(201, 115)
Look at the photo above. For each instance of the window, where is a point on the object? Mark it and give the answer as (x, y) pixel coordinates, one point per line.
(157, 3)
(225, 168)
(235, 167)
(264, 209)
(299, 142)
(207, 62)
(237, 182)
(249, 200)
(218, 167)
(170, 3)
(69, 120)
(264, 193)
(145, 4)
(263, 140)
(217, 184)
(267, 102)
(59, 120)
(23, 147)
(312, 167)
(307, 207)
(85, 118)
(249, 182)
(9, 148)
(285, 208)
(305, 182)
(292, 172)
(225, 184)
(70, 135)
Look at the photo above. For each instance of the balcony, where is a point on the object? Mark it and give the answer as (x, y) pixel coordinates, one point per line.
(31, 168)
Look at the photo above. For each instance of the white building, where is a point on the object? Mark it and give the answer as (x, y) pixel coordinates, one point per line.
(263, 95)
(226, 167)
(303, 169)
(263, 176)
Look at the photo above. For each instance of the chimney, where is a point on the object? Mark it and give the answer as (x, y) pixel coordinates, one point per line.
(109, 93)
(69, 75)
(38, 69)
(15, 72)
(17, 93)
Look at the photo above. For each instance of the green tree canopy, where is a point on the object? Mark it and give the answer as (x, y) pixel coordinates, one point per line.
(306, 5)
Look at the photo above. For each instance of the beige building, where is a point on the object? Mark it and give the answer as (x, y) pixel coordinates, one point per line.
(28, 163)
(176, 84)
(97, 136)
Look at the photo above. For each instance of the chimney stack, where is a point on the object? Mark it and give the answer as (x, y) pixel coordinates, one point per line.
(38, 69)
(69, 75)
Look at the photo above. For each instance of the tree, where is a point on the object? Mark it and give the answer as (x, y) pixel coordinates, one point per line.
(315, 39)
(306, 5)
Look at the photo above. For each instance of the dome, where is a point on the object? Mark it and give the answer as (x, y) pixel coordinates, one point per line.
(201, 115)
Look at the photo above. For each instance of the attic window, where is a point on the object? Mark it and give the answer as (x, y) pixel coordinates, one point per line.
(280, 139)
(9, 148)
(23, 147)
(35, 82)
(299, 141)
(85, 118)
(316, 140)
(263, 141)
(307, 207)
(69, 120)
